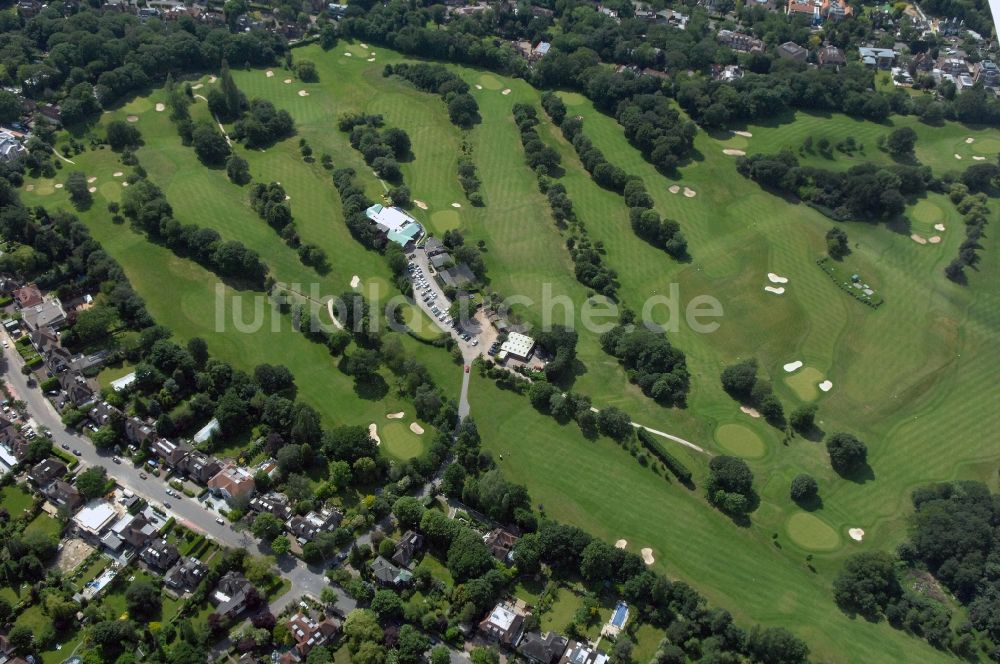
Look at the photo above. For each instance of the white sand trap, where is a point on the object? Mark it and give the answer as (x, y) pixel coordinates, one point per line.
(690, 193)
(132, 118)
(934, 239)
(373, 433)
(91, 179)
(979, 158)
(826, 385)
(647, 556)
(416, 428)
(747, 410)
(347, 54)
(969, 140)
(777, 290)
(29, 187)
(124, 184)
(958, 156)
(364, 46)
(117, 174)
(506, 91)
(621, 544)
(92, 189)
(744, 134)
(287, 197)
(371, 59)
(395, 416)
(919, 239)
(456, 205)
(303, 93)
(939, 227)
(287, 81)
(199, 86)
(792, 366)
(479, 87)
(734, 153)
(776, 278)
(59, 186)
(270, 74)
(355, 281)
(857, 534)
(420, 204)
(674, 189)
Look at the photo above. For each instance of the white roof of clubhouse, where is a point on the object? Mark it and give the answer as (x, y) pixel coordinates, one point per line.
(518, 344)
(400, 227)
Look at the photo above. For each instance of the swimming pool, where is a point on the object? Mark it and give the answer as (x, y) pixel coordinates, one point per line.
(620, 615)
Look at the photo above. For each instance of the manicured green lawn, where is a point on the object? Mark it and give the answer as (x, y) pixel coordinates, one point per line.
(109, 374)
(92, 571)
(564, 608)
(15, 499)
(44, 523)
(437, 568)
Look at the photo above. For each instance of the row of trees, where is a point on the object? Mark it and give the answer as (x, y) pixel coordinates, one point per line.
(974, 208)
(462, 107)
(270, 202)
(740, 381)
(382, 149)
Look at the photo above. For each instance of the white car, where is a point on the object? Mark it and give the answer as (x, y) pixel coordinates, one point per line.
(220, 521)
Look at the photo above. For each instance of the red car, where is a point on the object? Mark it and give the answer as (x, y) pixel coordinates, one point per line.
(466, 368)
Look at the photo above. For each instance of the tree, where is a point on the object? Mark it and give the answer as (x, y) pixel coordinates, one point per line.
(387, 605)
(237, 169)
(453, 480)
(411, 645)
(306, 71)
(143, 601)
(738, 379)
(280, 545)
(836, 243)
(10, 107)
(847, 453)
(22, 639)
(76, 185)
(398, 141)
(900, 142)
(614, 423)
(468, 557)
(776, 645)
(804, 488)
(122, 135)
(209, 144)
(463, 110)
(440, 655)
(93, 482)
(258, 569)
(980, 177)
(730, 484)
(867, 583)
(361, 626)
(266, 526)
(408, 511)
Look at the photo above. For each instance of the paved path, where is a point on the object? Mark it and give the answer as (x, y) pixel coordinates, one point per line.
(668, 436)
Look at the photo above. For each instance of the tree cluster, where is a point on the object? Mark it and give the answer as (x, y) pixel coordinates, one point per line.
(740, 381)
(651, 361)
(270, 203)
(381, 149)
(973, 208)
(462, 107)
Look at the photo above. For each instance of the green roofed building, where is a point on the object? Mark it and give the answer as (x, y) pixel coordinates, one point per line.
(395, 224)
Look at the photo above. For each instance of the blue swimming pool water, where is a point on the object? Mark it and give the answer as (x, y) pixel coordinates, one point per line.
(621, 612)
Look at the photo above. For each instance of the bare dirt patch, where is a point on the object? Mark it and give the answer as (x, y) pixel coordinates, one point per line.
(74, 552)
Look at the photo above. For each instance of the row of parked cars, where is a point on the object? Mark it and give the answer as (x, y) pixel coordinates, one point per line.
(422, 289)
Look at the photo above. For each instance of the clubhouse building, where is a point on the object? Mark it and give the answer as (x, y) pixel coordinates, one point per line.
(395, 224)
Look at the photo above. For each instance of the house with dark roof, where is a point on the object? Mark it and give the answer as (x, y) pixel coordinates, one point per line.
(792, 51)
(186, 574)
(160, 554)
(78, 391)
(434, 246)
(831, 57)
(388, 575)
(28, 296)
(46, 471)
(407, 548)
(501, 544)
(138, 531)
(169, 451)
(199, 467)
(541, 649)
(62, 494)
(137, 431)
(101, 413)
(306, 528)
(273, 503)
(49, 313)
(308, 633)
(581, 652)
(458, 277)
(230, 595)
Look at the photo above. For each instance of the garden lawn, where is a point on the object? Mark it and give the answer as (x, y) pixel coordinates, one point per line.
(46, 524)
(14, 499)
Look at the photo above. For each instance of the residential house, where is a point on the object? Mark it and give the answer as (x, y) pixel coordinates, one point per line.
(881, 58)
(835, 10)
(670, 17)
(388, 575)
(63, 494)
(232, 483)
(49, 313)
(272, 503)
(952, 65)
(160, 554)
(46, 471)
(306, 528)
(46, 342)
(308, 633)
(10, 148)
(407, 548)
(792, 51)
(582, 653)
(137, 432)
(807, 8)
(94, 518)
(924, 62)
(459, 276)
(963, 82)
(231, 593)
(501, 544)
(169, 451)
(28, 296)
(199, 467)
(541, 12)
(503, 625)
(101, 413)
(540, 649)
(739, 41)
(831, 57)
(987, 73)
(441, 261)
(729, 73)
(186, 574)
(29, 8)
(77, 389)
(138, 531)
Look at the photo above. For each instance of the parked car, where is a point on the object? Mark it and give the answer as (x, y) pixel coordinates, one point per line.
(77, 452)
(64, 446)
(220, 521)
(167, 505)
(143, 476)
(116, 460)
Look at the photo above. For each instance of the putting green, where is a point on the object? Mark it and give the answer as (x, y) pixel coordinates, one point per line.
(811, 532)
(399, 441)
(445, 220)
(573, 98)
(804, 383)
(927, 212)
(490, 82)
(986, 145)
(739, 440)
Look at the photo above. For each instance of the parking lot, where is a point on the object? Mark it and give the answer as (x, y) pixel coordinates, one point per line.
(432, 300)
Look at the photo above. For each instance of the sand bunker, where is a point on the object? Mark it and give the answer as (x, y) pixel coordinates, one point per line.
(29, 187)
(744, 134)
(621, 544)
(117, 174)
(958, 156)
(371, 59)
(479, 87)
(91, 179)
(199, 86)
(939, 227)
(857, 534)
(59, 186)
(160, 108)
(690, 193)
(456, 205)
(92, 189)
(777, 290)
(792, 366)
(776, 278)
(287, 81)
(416, 428)
(747, 410)
(364, 46)
(734, 153)
(826, 385)
(270, 74)
(919, 239)
(506, 91)
(124, 184)
(347, 54)
(355, 281)
(420, 204)
(395, 416)
(132, 118)
(969, 140)
(979, 158)
(934, 239)
(647, 556)
(212, 79)
(303, 93)
(674, 189)
(373, 433)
